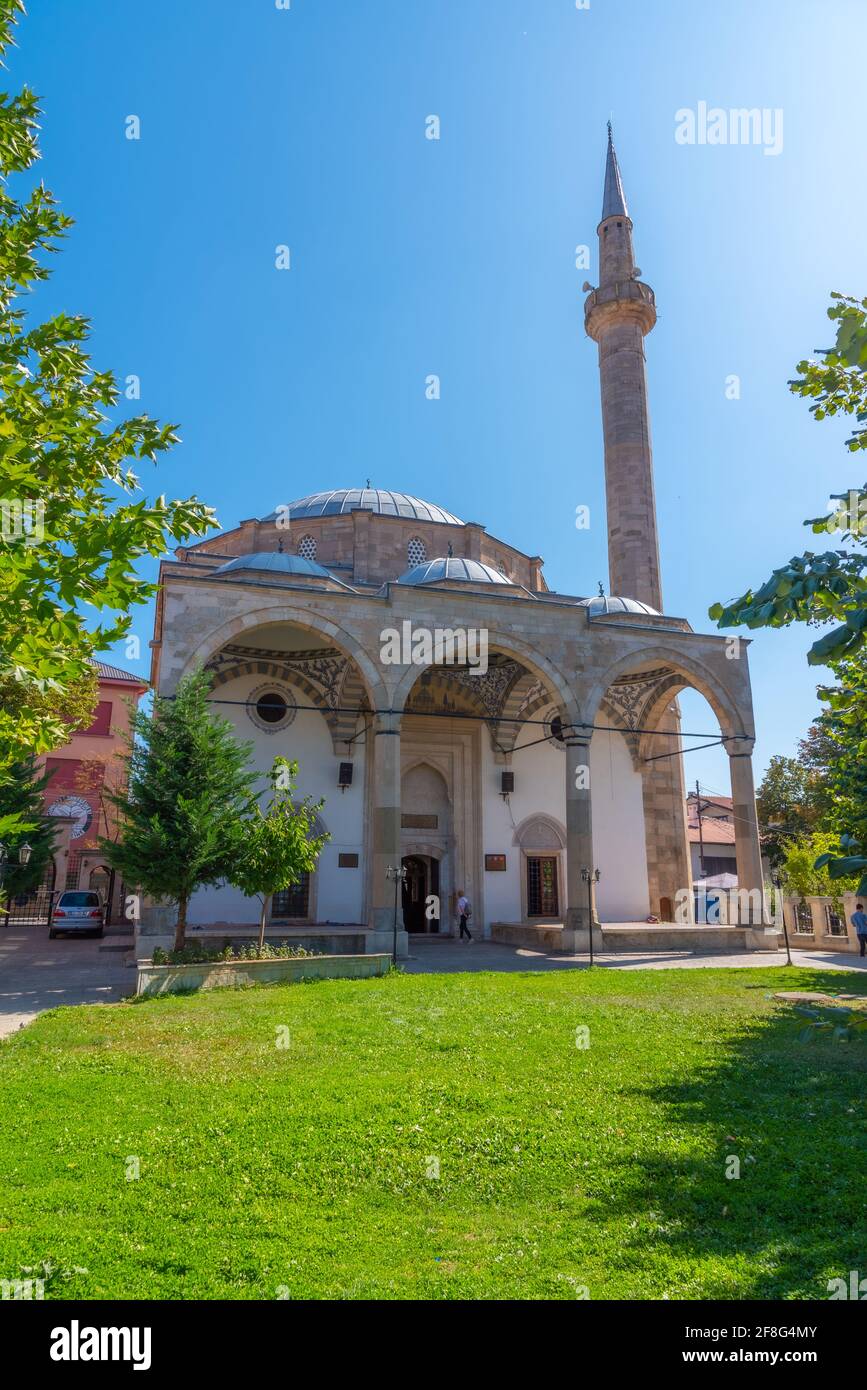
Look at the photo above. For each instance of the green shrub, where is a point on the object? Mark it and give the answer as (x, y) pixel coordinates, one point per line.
(203, 954)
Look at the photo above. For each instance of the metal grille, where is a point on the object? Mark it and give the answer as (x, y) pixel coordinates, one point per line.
(33, 909)
(307, 548)
(803, 918)
(416, 551)
(836, 925)
(73, 869)
(294, 901)
(542, 900)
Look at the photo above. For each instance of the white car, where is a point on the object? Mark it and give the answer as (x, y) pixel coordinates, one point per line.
(78, 910)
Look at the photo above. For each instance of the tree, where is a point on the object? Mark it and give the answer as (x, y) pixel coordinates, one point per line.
(844, 724)
(21, 801)
(805, 871)
(278, 844)
(187, 791)
(818, 752)
(72, 522)
(831, 586)
(785, 804)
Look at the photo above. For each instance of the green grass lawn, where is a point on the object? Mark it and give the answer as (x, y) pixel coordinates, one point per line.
(308, 1169)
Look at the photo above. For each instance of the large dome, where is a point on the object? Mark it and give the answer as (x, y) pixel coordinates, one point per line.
(367, 500)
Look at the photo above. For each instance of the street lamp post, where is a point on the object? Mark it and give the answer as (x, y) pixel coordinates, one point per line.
(398, 874)
(24, 853)
(778, 898)
(590, 876)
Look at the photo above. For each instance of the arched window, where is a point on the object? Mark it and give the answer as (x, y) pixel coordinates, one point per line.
(416, 552)
(307, 548)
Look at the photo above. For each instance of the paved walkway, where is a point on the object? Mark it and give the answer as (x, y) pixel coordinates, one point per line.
(449, 956)
(38, 974)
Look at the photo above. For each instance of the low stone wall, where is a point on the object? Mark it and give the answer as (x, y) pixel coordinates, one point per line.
(640, 937)
(184, 979)
(520, 934)
(820, 937)
(716, 940)
(336, 941)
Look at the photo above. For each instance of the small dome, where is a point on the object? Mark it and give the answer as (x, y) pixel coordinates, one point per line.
(276, 562)
(451, 568)
(610, 603)
(367, 500)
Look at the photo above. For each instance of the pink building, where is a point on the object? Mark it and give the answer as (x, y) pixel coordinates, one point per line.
(82, 774)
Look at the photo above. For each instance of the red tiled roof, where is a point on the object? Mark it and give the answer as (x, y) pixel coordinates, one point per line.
(714, 830)
(114, 673)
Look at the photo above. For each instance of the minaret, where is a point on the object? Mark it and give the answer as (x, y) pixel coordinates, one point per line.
(617, 316)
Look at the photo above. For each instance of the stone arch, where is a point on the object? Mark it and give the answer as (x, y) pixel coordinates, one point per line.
(426, 759)
(375, 689)
(527, 698)
(351, 698)
(427, 847)
(666, 691)
(540, 831)
(683, 671)
(562, 692)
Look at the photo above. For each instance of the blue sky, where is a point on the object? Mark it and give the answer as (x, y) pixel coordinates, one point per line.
(306, 127)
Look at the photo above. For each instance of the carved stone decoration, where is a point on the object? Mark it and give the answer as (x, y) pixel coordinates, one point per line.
(322, 667)
(328, 678)
(629, 696)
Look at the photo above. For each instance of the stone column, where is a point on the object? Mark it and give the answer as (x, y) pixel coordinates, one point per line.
(664, 795)
(579, 845)
(385, 836)
(752, 911)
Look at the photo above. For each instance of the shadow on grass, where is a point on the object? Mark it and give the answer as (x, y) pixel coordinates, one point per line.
(793, 1114)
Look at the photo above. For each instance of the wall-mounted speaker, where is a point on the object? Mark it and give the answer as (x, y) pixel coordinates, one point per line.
(344, 776)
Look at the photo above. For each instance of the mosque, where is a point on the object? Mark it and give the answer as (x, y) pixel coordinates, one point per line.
(468, 727)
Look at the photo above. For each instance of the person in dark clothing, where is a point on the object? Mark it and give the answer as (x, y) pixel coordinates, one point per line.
(464, 912)
(859, 922)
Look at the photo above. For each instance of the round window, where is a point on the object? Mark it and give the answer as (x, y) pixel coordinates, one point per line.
(270, 708)
(555, 729)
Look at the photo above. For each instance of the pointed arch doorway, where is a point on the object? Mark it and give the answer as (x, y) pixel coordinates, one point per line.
(422, 880)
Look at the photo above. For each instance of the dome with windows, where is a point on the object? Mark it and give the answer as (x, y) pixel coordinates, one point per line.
(274, 562)
(452, 568)
(601, 604)
(346, 500)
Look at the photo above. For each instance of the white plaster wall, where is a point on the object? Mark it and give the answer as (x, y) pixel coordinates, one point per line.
(618, 831)
(308, 740)
(540, 788)
(724, 851)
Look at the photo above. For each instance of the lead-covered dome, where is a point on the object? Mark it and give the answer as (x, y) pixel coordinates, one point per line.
(453, 568)
(275, 562)
(346, 500)
(601, 604)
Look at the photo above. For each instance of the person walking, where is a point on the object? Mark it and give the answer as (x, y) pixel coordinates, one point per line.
(465, 912)
(859, 922)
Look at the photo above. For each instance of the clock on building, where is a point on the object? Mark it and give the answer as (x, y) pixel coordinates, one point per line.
(76, 809)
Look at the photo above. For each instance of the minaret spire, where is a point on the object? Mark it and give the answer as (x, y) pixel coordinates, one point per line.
(613, 198)
(617, 316)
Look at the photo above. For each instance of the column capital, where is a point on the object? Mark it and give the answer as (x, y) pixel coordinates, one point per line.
(739, 745)
(387, 722)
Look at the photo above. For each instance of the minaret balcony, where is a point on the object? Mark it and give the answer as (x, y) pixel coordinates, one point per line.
(618, 300)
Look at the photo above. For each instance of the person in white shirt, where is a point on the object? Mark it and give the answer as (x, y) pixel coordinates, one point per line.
(464, 911)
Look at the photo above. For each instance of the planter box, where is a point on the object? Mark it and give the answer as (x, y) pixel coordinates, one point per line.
(228, 974)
